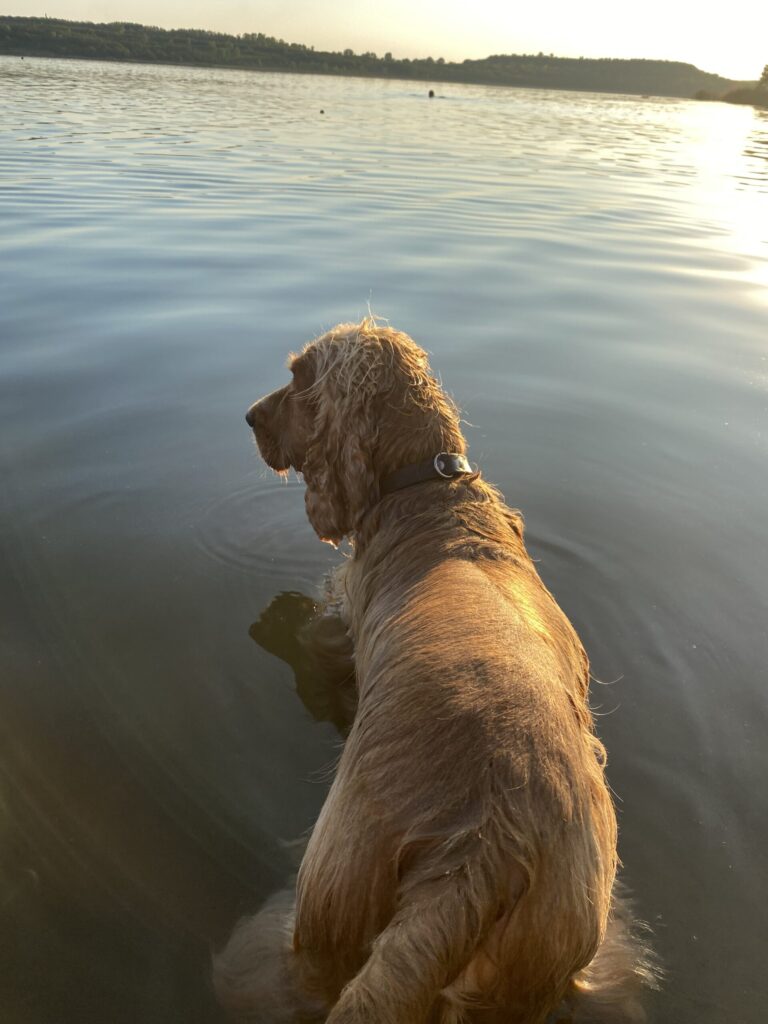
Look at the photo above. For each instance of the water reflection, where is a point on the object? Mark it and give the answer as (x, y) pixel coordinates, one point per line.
(291, 629)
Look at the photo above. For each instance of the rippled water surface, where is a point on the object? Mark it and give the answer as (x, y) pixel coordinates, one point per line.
(590, 274)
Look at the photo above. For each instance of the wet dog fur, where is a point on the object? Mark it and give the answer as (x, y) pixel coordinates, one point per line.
(462, 869)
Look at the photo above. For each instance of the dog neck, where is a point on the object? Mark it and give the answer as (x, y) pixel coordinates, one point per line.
(399, 507)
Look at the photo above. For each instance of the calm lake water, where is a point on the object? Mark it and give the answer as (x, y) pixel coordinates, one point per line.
(590, 274)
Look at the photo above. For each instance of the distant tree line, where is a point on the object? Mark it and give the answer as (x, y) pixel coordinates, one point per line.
(50, 37)
(755, 95)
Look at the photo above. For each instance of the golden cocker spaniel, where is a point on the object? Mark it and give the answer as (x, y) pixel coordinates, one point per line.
(462, 868)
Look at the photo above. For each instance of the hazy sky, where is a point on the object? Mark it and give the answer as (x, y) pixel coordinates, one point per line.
(729, 38)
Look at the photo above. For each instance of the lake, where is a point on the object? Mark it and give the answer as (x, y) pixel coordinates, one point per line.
(590, 275)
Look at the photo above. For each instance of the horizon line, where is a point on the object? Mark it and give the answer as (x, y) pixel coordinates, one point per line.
(438, 61)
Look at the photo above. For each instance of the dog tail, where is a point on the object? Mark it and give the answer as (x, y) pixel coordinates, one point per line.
(255, 976)
(431, 937)
(608, 990)
(459, 949)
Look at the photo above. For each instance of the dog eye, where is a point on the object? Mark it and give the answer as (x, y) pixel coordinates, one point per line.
(302, 374)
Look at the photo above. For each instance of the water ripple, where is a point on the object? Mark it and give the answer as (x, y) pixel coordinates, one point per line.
(260, 528)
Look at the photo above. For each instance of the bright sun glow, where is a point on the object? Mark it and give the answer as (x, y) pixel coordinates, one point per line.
(726, 193)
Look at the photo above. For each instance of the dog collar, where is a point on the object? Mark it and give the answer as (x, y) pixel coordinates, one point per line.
(443, 466)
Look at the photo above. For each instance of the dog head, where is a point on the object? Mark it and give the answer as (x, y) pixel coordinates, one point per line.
(362, 402)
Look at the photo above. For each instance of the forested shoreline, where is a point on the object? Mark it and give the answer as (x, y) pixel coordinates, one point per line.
(51, 37)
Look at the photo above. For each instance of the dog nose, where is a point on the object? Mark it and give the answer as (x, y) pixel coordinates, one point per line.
(250, 416)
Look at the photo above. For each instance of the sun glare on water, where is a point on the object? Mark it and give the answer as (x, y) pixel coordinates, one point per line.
(734, 193)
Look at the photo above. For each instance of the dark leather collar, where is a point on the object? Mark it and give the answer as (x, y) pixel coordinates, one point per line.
(443, 466)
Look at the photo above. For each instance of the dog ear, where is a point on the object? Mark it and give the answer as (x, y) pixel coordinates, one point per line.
(339, 473)
(323, 499)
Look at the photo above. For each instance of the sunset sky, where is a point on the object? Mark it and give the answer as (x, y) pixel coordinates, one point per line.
(730, 39)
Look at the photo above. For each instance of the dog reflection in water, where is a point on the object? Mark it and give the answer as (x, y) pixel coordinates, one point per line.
(293, 628)
(463, 866)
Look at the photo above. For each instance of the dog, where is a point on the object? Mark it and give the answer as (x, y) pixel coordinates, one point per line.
(463, 866)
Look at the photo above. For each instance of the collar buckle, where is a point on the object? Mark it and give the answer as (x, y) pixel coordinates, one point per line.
(440, 462)
(448, 465)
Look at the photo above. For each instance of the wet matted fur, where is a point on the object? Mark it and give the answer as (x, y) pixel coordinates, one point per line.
(462, 868)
